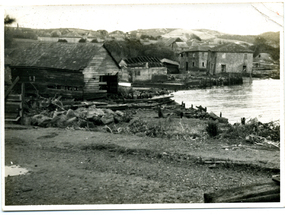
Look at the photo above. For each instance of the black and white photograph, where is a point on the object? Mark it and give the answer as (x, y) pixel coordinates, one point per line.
(142, 106)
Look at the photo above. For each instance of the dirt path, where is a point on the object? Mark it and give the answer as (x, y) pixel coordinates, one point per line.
(83, 167)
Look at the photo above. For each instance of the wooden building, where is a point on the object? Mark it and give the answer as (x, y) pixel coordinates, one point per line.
(172, 66)
(229, 58)
(143, 68)
(194, 59)
(75, 70)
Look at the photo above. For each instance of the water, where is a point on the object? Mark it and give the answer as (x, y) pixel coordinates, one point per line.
(260, 99)
(14, 170)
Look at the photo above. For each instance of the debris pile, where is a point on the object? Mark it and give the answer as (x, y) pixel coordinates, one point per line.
(256, 132)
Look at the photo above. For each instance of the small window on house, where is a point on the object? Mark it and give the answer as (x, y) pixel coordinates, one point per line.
(32, 78)
(203, 64)
(181, 54)
(193, 64)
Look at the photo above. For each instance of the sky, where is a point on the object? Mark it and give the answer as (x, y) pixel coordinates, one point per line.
(241, 18)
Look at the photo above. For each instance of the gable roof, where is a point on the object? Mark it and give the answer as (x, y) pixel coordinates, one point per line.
(69, 56)
(172, 40)
(231, 47)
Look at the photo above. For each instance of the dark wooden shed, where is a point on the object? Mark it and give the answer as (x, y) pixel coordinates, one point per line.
(73, 70)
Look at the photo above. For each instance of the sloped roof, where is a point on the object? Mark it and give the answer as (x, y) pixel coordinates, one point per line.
(182, 44)
(231, 47)
(70, 56)
(172, 40)
(165, 60)
(197, 49)
(142, 60)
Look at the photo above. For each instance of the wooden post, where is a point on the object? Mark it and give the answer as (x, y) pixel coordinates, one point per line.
(12, 86)
(221, 114)
(205, 109)
(191, 106)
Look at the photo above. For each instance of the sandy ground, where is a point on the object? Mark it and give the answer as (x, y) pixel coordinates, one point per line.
(96, 167)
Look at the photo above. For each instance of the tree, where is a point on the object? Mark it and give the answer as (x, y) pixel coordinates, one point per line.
(8, 20)
(55, 34)
(8, 33)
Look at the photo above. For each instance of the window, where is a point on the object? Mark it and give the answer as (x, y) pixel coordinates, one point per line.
(32, 78)
(223, 68)
(193, 64)
(181, 54)
(203, 64)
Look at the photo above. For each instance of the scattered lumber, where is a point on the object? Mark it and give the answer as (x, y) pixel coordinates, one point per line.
(265, 192)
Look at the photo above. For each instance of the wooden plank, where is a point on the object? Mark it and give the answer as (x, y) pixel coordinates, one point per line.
(12, 86)
(266, 192)
(11, 115)
(14, 98)
(13, 120)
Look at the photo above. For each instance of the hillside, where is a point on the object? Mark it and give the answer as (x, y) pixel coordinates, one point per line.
(186, 34)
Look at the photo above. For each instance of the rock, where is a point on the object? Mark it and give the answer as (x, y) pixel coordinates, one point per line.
(81, 112)
(118, 119)
(119, 113)
(41, 120)
(57, 113)
(213, 116)
(96, 120)
(71, 121)
(94, 112)
(82, 123)
(60, 121)
(109, 111)
(107, 119)
(70, 114)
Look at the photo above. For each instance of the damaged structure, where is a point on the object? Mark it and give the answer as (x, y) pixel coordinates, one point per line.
(143, 68)
(72, 70)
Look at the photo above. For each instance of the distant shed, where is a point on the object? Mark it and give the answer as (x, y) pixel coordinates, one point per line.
(75, 70)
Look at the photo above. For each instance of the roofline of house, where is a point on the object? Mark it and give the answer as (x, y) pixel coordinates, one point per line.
(109, 53)
(47, 68)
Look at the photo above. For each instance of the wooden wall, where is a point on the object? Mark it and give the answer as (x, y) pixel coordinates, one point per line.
(49, 82)
(101, 65)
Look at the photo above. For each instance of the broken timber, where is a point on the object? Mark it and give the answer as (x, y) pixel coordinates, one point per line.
(266, 192)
